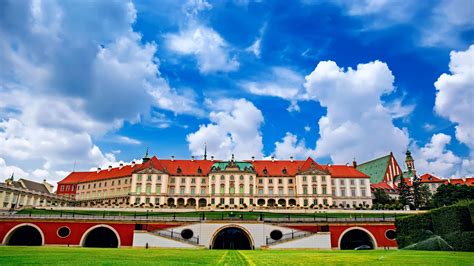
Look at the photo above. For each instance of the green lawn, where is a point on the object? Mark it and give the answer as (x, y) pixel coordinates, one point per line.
(134, 256)
(210, 214)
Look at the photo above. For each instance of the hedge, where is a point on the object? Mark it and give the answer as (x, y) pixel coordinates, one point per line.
(451, 219)
(413, 229)
(461, 241)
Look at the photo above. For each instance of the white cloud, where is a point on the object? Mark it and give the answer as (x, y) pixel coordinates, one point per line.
(307, 128)
(7, 170)
(290, 146)
(210, 49)
(455, 95)
(234, 129)
(255, 47)
(127, 140)
(435, 158)
(356, 124)
(398, 110)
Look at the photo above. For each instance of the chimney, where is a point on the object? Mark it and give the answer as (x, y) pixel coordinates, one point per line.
(133, 163)
(172, 158)
(110, 167)
(273, 158)
(354, 163)
(192, 158)
(212, 158)
(291, 159)
(253, 158)
(98, 169)
(120, 165)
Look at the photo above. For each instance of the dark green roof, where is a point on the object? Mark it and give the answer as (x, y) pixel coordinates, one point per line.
(242, 165)
(375, 169)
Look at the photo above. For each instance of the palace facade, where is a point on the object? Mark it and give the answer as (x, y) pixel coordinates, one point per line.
(169, 183)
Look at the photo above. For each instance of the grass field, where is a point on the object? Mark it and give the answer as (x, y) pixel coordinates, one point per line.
(90, 256)
(210, 214)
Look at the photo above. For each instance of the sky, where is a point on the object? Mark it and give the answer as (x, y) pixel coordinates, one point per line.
(86, 84)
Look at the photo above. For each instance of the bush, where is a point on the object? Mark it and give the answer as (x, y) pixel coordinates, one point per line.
(451, 219)
(461, 241)
(413, 229)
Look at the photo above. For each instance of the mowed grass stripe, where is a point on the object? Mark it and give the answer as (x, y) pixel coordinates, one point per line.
(140, 256)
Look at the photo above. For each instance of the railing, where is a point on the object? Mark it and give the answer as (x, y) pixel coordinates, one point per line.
(176, 236)
(288, 236)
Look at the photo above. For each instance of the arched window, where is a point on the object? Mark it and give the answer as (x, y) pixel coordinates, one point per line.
(232, 190)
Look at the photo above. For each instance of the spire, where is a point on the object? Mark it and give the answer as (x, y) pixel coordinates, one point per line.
(232, 157)
(146, 158)
(205, 150)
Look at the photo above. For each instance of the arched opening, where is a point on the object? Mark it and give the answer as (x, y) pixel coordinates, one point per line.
(192, 202)
(202, 202)
(356, 238)
(261, 202)
(282, 202)
(271, 203)
(101, 237)
(25, 235)
(292, 202)
(232, 238)
(170, 202)
(180, 202)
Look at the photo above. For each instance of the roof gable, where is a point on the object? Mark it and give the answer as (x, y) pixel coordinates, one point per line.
(375, 169)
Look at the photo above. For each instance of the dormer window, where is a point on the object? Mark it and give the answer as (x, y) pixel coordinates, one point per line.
(179, 170)
(265, 171)
(284, 171)
(199, 170)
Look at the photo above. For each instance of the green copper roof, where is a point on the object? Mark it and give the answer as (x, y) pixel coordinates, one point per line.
(375, 169)
(242, 165)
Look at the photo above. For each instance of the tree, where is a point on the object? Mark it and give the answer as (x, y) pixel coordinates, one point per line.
(405, 196)
(381, 196)
(449, 194)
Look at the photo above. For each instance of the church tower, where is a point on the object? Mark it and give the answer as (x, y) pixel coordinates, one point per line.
(410, 163)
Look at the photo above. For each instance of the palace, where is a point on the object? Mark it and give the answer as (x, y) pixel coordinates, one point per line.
(213, 184)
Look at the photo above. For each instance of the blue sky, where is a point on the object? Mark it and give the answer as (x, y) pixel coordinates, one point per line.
(93, 83)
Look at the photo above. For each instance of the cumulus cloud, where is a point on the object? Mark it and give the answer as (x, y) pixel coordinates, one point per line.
(210, 49)
(290, 146)
(356, 124)
(455, 95)
(71, 69)
(435, 158)
(7, 170)
(234, 128)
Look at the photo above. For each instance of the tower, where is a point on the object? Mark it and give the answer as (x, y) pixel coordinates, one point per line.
(410, 163)
(146, 158)
(205, 151)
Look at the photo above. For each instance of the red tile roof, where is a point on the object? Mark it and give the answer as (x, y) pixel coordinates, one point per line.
(276, 167)
(345, 171)
(381, 185)
(428, 178)
(81, 177)
(188, 167)
(460, 181)
(74, 178)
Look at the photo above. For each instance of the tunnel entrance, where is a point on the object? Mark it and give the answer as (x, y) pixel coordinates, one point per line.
(232, 238)
(25, 236)
(356, 238)
(101, 237)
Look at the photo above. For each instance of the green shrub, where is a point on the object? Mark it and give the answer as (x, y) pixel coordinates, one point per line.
(413, 229)
(432, 243)
(451, 219)
(461, 241)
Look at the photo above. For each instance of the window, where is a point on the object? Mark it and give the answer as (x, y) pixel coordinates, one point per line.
(172, 180)
(203, 190)
(213, 177)
(203, 181)
(241, 201)
(280, 181)
(270, 181)
(199, 170)
(251, 190)
(183, 180)
(139, 189)
(313, 178)
(270, 191)
(62, 187)
(67, 188)
(325, 201)
(325, 191)
(260, 191)
(352, 182)
(315, 190)
(265, 171)
(362, 182)
(323, 178)
(284, 171)
(100, 184)
(305, 202)
(291, 191)
(290, 181)
(222, 177)
(172, 190)
(147, 200)
(241, 189)
(178, 170)
(260, 181)
(139, 177)
(125, 181)
(362, 192)
(222, 189)
(305, 190)
(343, 192)
(158, 178)
(341, 182)
(251, 178)
(148, 190)
(137, 200)
(94, 185)
(148, 179)
(241, 177)
(113, 183)
(353, 192)
(181, 190)
(193, 190)
(315, 201)
(157, 201)
(222, 200)
(213, 190)
(193, 180)
(304, 178)
(231, 200)
(280, 191)
(332, 182)
(213, 201)
(251, 201)
(231, 177)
